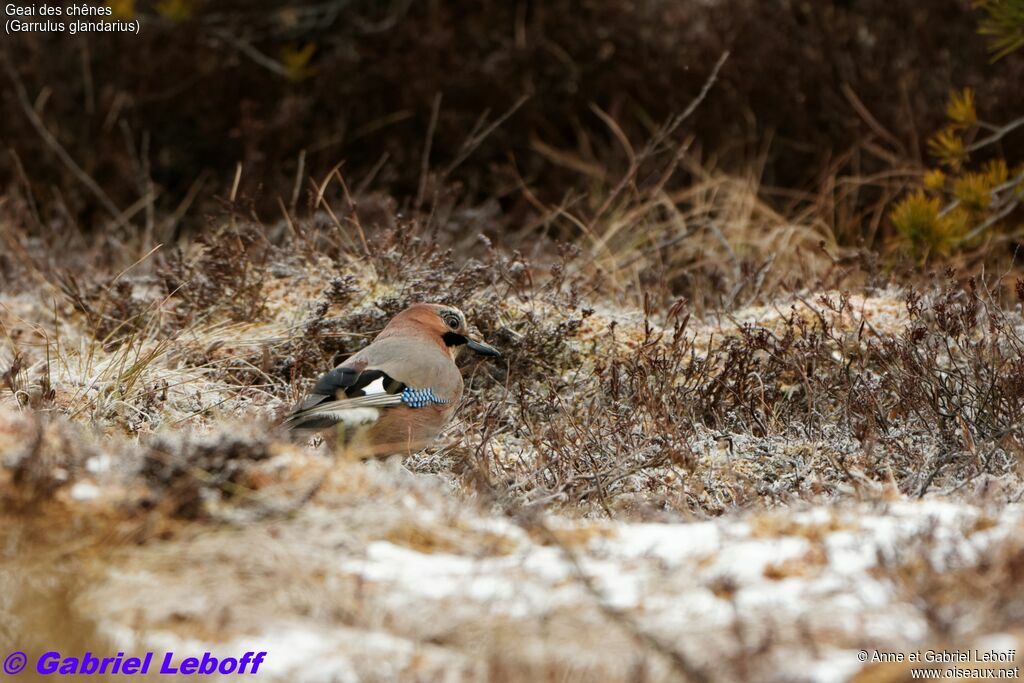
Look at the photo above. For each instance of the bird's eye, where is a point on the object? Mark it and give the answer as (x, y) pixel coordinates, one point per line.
(452, 321)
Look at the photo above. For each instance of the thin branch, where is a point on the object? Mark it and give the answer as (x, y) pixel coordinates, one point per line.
(662, 135)
(29, 195)
(252, 53)
(1011, 203)
(475, 140)
(299, 174)
(996, 136)
(991, 220)
(702, 95)
(58, 149)
(869, 118)
(435, 111)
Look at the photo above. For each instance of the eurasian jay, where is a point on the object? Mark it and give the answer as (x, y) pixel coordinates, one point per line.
(396, 394)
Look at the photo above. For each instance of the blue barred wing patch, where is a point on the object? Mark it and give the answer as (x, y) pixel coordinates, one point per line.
(420, 398)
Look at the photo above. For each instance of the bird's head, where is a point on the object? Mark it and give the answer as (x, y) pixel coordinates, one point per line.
(444, 324)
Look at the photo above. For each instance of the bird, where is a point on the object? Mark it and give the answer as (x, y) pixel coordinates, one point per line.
(395, 395)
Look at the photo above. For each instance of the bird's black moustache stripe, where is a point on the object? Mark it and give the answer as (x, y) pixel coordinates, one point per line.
(453, 339)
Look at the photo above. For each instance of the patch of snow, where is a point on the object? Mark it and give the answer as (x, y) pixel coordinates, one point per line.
(85, 490)
(98, 464)
(771, 575)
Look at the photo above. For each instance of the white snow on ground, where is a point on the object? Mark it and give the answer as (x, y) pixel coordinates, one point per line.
(693, 585)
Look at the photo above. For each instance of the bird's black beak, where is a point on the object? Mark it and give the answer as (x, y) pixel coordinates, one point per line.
(482, 349)
(456, 339)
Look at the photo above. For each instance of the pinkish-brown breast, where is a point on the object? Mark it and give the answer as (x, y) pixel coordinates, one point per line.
(401, 431)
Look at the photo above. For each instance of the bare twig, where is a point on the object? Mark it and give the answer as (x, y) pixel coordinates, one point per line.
(30, 198)
(299, 174)
(421, 190)
(998, 135)
(478, 136)
(54, 144)
(1011, 203)
(252, 53)
(656, 141)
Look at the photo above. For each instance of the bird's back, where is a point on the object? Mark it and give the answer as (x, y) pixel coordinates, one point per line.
(387, 365)
(415, 362)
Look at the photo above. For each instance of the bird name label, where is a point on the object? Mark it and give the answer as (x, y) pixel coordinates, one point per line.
(31, 18)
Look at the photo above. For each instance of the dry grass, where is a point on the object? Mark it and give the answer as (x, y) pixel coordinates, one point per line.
(735, 435)
(616, 394)
(715, 364)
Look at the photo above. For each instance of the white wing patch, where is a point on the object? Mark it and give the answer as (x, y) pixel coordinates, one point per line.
(374, 387)
(354, 417)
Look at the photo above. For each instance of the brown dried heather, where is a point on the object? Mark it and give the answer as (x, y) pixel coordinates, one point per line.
(191, 476)
(596, 406)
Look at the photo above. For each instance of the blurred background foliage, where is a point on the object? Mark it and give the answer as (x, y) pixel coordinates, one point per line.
(960, 200)
(843, 106)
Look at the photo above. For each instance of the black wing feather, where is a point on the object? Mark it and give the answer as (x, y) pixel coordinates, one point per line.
(353, 382)
(334, 381)
(336, 386)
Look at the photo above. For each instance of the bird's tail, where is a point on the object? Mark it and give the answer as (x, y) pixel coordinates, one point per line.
(351, 412)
